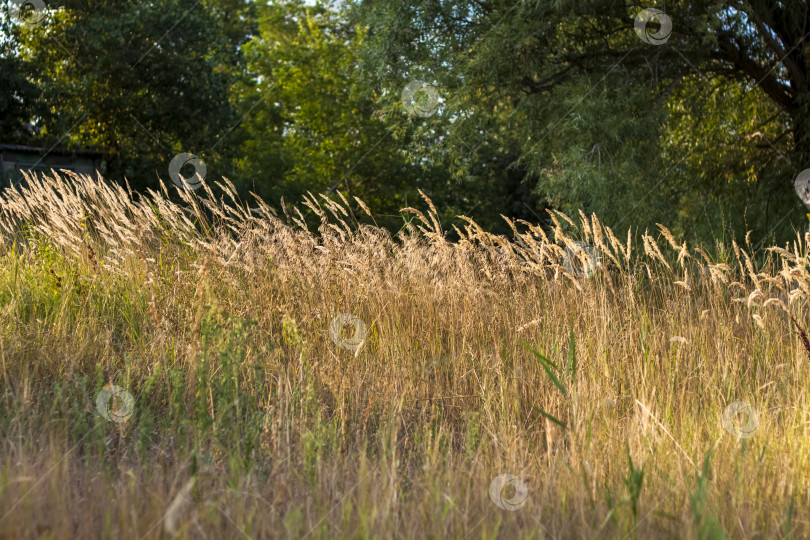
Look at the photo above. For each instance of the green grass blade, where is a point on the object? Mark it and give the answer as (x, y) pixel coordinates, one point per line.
(547, 365)
(550, 417)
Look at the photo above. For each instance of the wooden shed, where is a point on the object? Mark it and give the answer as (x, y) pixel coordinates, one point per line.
(15, 158)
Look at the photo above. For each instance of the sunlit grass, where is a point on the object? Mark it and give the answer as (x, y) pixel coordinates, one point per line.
(603, 395)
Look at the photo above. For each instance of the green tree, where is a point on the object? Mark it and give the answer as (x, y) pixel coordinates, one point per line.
(20, 102)
(732, 148)
(141, 81)
(310, 124)
(597, 107)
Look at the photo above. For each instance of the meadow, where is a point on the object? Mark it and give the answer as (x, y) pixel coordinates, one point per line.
(179, 366)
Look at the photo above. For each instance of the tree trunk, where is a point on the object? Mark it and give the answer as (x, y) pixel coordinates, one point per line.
(800, 117)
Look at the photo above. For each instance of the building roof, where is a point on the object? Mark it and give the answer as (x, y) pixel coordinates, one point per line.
(39, 150)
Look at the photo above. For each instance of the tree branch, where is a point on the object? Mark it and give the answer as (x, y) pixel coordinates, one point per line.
(763, 77)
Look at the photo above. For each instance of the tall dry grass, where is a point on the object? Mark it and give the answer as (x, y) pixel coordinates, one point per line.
(603, 395)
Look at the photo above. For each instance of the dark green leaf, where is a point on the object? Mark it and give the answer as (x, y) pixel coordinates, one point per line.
(547, 365)
(550, 417)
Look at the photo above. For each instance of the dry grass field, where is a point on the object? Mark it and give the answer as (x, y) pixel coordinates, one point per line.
(207, 368)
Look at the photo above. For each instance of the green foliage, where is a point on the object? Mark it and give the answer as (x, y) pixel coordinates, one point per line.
(554, 374)
(547, 104)
(708, 526)
(140, 81)
(726, 141)
(310, 122)
(20, 97)
(633, 482)
(690, 133)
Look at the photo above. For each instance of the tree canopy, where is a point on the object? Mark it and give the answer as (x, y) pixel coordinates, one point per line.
(695, 116)
(708, 113)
